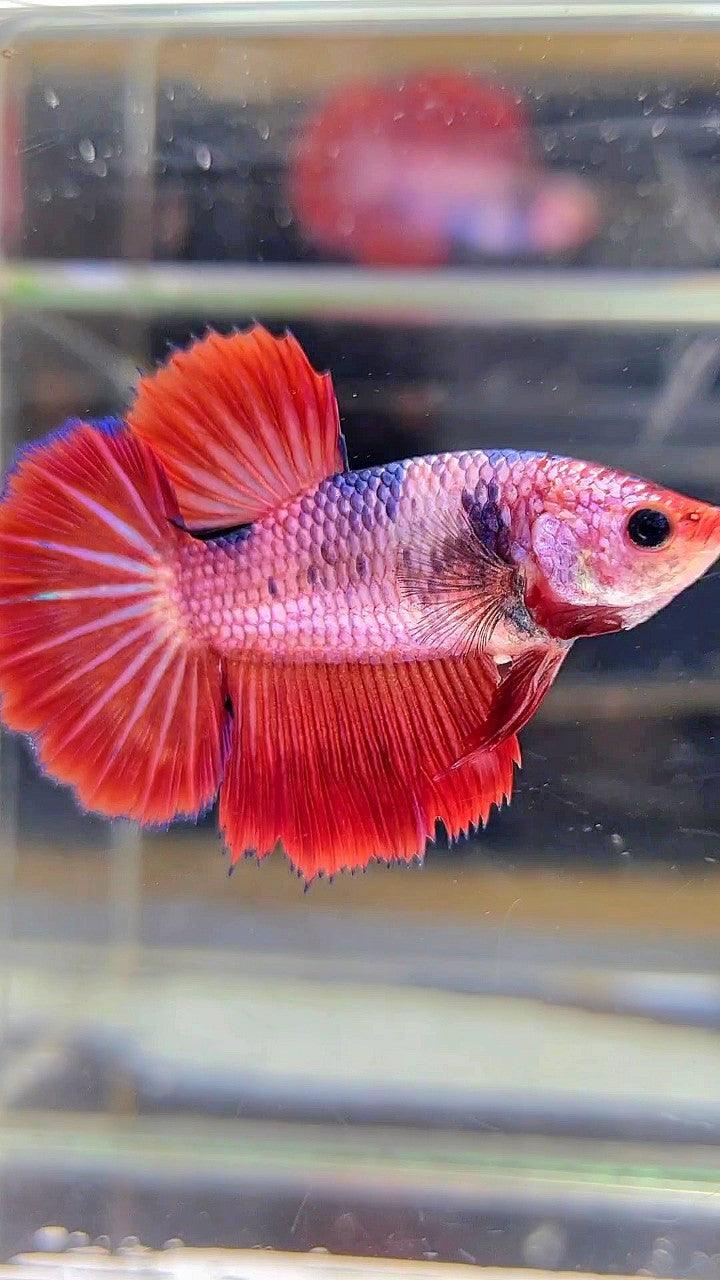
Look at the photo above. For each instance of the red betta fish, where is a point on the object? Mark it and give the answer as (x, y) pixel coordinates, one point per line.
(431, 168)
(205, 599)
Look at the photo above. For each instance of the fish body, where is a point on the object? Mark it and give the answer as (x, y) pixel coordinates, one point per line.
(351, 568)
(329, 577)
(206, 599)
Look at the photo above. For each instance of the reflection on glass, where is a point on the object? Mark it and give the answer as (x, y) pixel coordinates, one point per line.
(430, 170)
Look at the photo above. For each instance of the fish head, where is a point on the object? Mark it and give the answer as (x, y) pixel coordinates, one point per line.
(609, 550)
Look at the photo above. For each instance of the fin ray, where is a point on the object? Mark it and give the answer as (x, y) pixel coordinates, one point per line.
(241, 424)
(347, 762)
(108, 690)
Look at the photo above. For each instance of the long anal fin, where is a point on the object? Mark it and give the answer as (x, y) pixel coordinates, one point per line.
(345, 763)
(95, 661)
(241, 424)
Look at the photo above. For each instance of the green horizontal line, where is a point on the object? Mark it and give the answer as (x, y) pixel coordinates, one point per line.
(528, 299)
(372, 1161)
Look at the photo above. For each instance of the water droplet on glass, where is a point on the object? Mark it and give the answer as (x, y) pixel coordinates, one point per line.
(657, 128)
(609, 132)
(545, 1246)
(203, 156)
(87, 150)
(668, 99)
(51, 98)
(78, 1240)
(51, 1239)
(263, 129)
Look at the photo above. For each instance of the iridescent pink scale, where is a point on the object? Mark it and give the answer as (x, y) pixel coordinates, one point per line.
(318, 579)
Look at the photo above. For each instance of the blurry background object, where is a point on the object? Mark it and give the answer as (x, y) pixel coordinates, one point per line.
(12, 173)
(433, 169)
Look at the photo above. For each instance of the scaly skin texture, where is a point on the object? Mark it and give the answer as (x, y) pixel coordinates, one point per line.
(322, 578)
(318, 581)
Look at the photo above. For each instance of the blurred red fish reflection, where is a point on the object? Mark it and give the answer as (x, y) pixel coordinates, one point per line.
(429, 170)
(10, 166)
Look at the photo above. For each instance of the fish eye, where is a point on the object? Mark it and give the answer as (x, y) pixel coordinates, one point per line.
(649, 528)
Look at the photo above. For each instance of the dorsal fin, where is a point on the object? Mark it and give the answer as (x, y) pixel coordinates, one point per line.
(241, 424)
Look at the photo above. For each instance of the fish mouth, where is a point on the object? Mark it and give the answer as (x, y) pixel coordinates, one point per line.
(700, 532)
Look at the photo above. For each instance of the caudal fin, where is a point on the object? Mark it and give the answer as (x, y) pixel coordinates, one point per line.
(96, 659)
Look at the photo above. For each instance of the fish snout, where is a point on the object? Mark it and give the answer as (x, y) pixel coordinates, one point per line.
(701, 526)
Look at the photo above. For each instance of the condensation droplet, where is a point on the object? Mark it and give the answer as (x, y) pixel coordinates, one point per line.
(657, 128)
(609, 132)
(78, 1240)
(87, 150)
(203, 156)
(51, 1239)
(51, 98)
(545, 1246)
(263, 129)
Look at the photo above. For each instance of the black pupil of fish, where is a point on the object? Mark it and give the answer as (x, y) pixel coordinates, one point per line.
(648, 528)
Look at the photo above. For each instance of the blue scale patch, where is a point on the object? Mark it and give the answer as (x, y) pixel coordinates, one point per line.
(233, 537)
(384, 483)
(511, 456)
(485, 518)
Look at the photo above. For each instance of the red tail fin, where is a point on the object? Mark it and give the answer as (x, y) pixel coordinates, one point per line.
(95, 658)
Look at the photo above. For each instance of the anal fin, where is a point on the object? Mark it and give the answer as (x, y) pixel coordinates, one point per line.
(345, 763)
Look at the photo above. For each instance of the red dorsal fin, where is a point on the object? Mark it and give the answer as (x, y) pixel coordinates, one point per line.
(241, 424)
(95, 660)
(345, 763)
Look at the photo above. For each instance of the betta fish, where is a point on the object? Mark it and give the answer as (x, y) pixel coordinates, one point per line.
(432, 169)
(204, 599)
